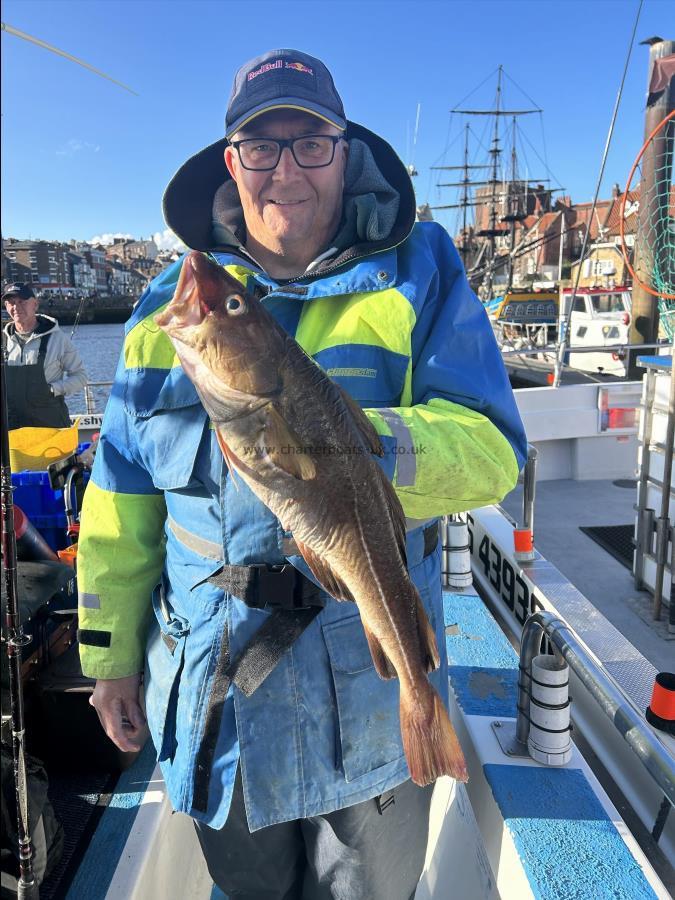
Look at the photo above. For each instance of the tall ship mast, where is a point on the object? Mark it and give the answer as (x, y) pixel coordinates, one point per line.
(492, 207)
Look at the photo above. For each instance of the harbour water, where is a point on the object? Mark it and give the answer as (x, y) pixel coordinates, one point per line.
(99, 346)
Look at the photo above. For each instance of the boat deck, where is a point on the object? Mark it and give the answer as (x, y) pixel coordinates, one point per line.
(562, 507)
(528, 371)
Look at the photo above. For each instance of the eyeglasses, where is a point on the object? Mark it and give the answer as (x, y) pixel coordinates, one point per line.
(311, 151)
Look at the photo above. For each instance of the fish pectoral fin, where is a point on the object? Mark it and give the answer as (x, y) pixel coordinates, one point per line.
(285, 449)
(428, 645)
(381, 661)
(324, 574)
(363, 423)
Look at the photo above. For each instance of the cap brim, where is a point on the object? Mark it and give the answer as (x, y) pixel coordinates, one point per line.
(306, 106)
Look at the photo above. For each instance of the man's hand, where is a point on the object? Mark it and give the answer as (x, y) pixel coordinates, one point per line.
(116, 700)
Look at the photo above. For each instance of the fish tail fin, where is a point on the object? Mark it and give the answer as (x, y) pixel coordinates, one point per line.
(428, 646)
(430, 743)
(381, 661)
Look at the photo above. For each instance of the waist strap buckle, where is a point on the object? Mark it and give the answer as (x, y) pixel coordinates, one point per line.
(283, 587)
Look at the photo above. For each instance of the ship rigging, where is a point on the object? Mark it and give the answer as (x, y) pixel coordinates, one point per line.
(493, 208)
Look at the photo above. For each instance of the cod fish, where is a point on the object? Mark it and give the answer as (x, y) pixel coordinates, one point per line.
(305, 448)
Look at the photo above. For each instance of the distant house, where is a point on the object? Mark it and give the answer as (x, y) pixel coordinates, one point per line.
(605, 265)
(44, 264)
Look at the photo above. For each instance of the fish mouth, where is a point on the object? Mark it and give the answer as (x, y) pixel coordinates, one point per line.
(185, 309)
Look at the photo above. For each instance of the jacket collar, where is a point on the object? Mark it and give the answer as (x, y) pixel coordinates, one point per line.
(45, 325)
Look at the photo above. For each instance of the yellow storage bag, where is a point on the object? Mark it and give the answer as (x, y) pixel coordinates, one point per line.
(36, 448)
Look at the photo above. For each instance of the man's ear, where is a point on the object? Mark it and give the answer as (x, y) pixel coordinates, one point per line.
(345, 155)
(231, 161)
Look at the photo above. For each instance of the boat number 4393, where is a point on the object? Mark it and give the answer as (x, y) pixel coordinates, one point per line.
(506, 580)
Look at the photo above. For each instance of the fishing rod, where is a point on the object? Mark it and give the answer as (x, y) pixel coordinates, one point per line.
(77, 316)
(27, 888)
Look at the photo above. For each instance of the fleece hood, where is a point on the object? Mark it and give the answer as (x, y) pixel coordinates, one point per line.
(201, 203)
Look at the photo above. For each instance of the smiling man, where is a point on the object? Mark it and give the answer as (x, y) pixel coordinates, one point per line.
(43, 365)
(270, 722)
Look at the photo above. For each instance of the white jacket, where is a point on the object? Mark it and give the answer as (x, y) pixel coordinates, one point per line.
(64, 370)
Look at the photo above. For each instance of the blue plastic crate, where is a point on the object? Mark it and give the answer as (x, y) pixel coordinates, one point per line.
(44, 507)
(33, 493)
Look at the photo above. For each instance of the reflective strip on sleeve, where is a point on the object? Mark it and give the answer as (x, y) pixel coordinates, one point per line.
(406, 464)
(208, 549)
(89, 601)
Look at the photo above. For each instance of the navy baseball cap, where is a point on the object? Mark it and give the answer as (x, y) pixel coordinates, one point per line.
(283, 79)
(19, 289)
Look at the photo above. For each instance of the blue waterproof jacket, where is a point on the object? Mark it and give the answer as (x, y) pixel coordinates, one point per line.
(402, 332)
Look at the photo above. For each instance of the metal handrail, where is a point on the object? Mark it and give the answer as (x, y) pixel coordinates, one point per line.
(529, 486)
(571, 348)
(89, 400)
(634, 730)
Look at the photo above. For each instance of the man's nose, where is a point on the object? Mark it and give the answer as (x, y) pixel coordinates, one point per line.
(287, 163)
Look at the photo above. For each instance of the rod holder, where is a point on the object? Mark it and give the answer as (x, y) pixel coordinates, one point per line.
(456, 553)
(549, 741)
(653, 755)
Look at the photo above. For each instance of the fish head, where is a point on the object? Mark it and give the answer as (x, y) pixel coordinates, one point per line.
(228, 344)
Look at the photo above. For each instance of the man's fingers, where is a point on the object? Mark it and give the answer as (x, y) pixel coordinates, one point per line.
(112, 719)
(135, 716)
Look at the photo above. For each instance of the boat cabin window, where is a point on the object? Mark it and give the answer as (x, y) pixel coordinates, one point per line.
(607, 303)
(579, 304)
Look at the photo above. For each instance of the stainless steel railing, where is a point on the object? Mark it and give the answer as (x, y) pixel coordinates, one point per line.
(634, 730)
(606, 348)
(89, 399)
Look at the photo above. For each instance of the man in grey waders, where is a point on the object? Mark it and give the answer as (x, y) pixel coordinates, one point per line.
(271, 725)
(43, 364)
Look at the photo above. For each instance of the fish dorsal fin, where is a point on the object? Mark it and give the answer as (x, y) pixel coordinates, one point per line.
(362, 422)
(285, 449)
(324, 574)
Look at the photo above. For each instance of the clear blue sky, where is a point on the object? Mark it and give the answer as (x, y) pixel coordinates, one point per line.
(82, 157)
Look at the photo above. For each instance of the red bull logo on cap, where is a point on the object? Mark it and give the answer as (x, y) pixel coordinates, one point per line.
(266, 67)
(299, 67)
(278, 64)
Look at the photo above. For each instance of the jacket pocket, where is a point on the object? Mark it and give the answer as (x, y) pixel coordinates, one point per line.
(368, 707)
(373, 376)
(163, 667)
(171, 424)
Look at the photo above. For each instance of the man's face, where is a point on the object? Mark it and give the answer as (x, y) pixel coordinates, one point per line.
(290, 206)
(22, 312)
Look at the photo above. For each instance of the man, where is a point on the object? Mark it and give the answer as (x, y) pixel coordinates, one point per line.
(293, 773)
(43, 364)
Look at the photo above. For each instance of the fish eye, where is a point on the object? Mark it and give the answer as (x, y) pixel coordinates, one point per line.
(234, 305)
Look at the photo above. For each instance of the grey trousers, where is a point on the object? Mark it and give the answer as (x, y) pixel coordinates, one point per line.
(371, 851)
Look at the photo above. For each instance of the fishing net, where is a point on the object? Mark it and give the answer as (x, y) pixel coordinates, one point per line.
(648, 221)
